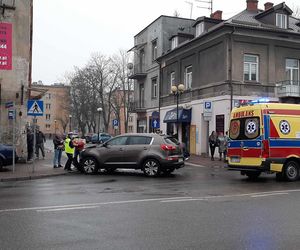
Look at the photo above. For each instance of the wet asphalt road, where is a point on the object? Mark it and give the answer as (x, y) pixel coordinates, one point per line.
(195, 208)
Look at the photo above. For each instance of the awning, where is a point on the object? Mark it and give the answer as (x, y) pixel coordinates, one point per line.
(184, 115)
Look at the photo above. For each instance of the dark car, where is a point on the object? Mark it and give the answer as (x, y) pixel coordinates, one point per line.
(88, 138)
(6, 155)
(103, 137)
(152, 153)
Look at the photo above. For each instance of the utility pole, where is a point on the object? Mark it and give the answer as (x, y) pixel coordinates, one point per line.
(192, 6)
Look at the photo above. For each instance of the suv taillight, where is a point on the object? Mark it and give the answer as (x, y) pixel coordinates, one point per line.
(265, 149)
(167, 147)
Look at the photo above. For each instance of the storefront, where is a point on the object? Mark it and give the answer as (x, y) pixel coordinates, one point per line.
(182, 124)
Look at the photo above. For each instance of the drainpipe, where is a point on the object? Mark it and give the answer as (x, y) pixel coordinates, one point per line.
(230, 69)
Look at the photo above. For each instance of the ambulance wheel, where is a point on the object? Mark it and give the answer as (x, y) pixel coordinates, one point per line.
(252, 175)
(291, 171)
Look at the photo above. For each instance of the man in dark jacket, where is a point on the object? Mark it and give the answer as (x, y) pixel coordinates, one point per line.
(58, 142)
(40, 139)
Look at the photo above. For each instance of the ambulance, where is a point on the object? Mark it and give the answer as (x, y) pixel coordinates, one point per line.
(265, 137)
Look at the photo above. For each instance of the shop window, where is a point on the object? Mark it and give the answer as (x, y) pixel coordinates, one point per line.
(220, 123)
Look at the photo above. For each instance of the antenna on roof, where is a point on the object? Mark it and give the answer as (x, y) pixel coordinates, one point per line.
(207, 2)
(192, 6)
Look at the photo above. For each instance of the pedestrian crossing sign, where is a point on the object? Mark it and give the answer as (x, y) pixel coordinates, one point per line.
(35, 108)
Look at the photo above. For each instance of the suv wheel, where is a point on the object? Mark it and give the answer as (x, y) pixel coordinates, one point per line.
(89, 165)
(151, 167)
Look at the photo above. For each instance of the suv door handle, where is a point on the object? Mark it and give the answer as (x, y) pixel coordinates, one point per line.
(145, 148)
(120, 149)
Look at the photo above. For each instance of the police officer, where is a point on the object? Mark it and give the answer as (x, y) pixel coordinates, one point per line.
(69, 149)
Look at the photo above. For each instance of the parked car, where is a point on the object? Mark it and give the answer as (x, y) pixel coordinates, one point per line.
(152, 153)
(103, 137)
(88, 138)
(6, 155)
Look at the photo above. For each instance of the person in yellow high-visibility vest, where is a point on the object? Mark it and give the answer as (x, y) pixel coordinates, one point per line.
(69, 149)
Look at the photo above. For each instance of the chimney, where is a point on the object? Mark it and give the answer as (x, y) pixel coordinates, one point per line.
(252, 5)
(268, 5)
(217, 15)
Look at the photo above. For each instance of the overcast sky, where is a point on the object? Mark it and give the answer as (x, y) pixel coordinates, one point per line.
(66, 32)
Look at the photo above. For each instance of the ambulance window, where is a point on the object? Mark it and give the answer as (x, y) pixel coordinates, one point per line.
(251, 128)
(234, 131)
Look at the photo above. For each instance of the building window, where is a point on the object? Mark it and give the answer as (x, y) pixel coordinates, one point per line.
(130, 119)
(47, 117)
(130, 129)
(188, 77)
(174, 42)
(220, 121)
(48, 96)
(172, 80)
(142, 96)
(48, 105)
(154, 50)
(154, 88)
(142, 60)
(281, 20)
(250, 68)
(292, 70)
(199, 29)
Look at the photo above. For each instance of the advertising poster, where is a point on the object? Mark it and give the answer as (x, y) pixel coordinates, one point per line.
(5, 46)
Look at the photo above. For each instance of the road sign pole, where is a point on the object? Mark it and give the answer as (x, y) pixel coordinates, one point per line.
(34, 142)
(14, 138)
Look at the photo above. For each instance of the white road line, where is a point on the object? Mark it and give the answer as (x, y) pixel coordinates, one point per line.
(67, 208)
(264, 195)
(195, 199)
(171, 199)
(194, 165)
(89, 204)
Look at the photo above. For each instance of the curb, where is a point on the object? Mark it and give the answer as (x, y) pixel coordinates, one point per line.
(31, 177)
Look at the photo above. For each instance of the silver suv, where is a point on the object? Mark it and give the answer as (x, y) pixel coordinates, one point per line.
(152, 153)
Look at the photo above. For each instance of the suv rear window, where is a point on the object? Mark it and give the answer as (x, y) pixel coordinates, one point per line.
(171, 140)
(139, 140)
(244, 128)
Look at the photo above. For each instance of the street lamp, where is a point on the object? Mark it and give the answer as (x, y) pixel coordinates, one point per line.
(70, 123)
(177, 90)
(99, 110)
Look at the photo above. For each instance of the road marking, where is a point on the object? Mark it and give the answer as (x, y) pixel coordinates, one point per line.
(264, 195)
(194, 165)
(67, 208)
(89, 204)
(193, 199)
(168, 199)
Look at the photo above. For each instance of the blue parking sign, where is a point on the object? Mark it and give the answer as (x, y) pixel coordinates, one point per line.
(115, 123)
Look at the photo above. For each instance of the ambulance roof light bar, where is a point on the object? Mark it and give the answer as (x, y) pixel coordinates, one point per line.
(257, 101)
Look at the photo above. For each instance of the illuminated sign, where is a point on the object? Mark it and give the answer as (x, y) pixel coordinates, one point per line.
(5, 46)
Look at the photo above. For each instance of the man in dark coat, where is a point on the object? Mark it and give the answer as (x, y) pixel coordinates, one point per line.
(40, 139)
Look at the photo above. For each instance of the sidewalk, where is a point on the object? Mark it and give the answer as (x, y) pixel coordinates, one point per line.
(42, 168)
(205, 161)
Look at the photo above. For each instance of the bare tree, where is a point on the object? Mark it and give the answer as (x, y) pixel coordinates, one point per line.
(176, 13)
(296, 12)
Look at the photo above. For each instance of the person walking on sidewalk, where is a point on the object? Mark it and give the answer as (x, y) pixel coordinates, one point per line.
(221, 142)
(58, 148)
(212, 140)
(40, 140)
(69, 149)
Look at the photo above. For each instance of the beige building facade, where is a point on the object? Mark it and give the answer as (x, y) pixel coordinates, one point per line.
(15, 68)
(56, 100)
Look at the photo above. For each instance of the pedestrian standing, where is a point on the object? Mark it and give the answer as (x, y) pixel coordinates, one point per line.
(79, 146)
(212, 140)
(69, 149)
(226, 145)
(58, 142)
(221, 145)
(30, 138)
(40, 140)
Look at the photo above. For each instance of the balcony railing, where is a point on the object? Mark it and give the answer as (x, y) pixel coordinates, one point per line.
(139, 71)
(137, 106)
(288, 88)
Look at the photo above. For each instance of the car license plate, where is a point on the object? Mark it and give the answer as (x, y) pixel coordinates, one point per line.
(235, 159)
(180, 160)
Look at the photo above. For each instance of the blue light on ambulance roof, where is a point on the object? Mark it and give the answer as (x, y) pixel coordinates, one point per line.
(261, 100)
